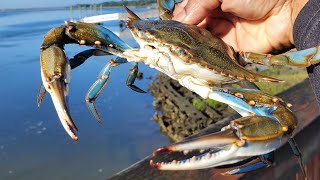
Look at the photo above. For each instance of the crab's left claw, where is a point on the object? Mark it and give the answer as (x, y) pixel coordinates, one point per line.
(166, 8)
(55, 73)
(244, 138)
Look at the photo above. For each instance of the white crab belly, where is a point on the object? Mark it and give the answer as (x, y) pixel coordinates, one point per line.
(192, 76)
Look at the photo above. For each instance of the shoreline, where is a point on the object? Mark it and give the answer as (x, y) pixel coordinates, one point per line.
(63, 8)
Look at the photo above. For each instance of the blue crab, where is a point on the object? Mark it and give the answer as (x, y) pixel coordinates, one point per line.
(199, 61)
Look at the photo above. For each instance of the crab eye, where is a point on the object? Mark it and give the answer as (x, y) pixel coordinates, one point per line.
(71, 28)
(181, 53)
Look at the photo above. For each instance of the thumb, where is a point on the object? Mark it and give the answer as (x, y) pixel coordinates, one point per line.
(196, 11)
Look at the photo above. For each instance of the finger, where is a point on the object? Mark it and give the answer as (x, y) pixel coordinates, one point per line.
(224, 29)
(196, 11)
(179, 7)
(248, 9)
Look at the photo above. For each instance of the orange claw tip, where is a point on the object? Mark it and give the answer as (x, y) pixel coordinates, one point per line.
(268, 79)
(155, 165)
(161, 150)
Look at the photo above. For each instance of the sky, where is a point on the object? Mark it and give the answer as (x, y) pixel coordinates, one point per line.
(16, 4)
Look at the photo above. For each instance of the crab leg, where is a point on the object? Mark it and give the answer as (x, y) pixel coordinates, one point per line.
(132, 77)
(265, 161)
(98, 86)
(303, 58)
(298, 154)
(55, 73)
(235, 101)
(103, 78)
(81, 57)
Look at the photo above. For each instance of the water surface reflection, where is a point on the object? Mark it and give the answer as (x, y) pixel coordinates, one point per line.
(33, 144)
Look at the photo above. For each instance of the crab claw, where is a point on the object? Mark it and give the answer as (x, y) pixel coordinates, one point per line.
(246, 137)
(55, 73)
(56, 36)
(267, 121)
(95, 35)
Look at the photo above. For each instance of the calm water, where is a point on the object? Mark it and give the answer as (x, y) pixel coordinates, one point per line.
(33, 144)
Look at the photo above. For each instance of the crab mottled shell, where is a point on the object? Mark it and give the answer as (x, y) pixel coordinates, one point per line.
(257, 98)
(258, 128)
(53, 62)
(56, 36)
(191, 44)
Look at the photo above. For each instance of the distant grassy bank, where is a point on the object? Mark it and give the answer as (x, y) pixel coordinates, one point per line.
(291, 76)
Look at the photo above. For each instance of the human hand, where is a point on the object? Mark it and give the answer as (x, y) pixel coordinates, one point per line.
(261, 26)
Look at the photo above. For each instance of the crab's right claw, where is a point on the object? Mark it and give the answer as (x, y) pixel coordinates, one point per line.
(166, 8)
(245, 138)
(55, 73)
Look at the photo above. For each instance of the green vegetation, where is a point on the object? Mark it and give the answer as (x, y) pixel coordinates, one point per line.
(198, 104)
(291, 76)
(212, 103)
(201, 104)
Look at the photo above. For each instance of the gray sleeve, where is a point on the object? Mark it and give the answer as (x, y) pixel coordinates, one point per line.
(306, 34)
